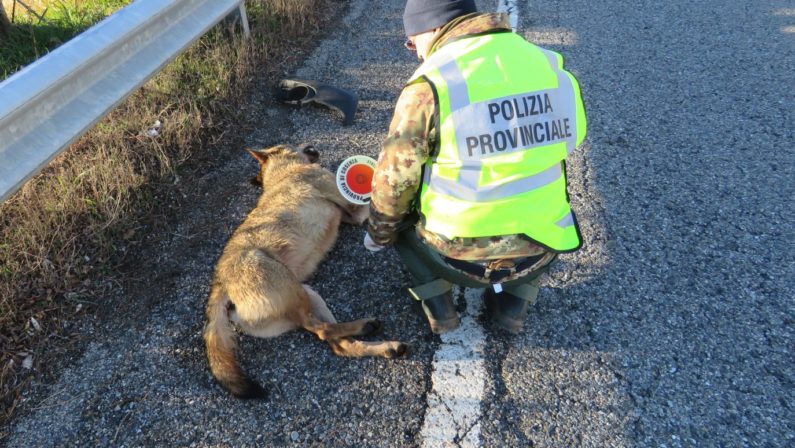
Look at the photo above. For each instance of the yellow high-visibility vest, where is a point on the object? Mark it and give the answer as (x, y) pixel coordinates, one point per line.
(509, 114)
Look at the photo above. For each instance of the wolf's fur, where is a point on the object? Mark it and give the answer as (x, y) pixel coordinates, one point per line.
(257, 282)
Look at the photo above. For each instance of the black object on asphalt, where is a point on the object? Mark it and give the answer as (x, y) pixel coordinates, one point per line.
(299, 92)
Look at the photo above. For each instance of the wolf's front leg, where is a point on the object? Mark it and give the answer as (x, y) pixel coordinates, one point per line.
(351, 213)
(356, 214)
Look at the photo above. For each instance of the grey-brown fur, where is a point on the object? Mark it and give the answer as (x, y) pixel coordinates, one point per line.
(258, 280)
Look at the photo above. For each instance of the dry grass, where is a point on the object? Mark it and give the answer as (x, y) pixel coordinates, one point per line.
(59, 233)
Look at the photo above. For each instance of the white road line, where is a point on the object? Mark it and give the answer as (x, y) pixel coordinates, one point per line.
(459, 368)
(459, 382)
(509, 7)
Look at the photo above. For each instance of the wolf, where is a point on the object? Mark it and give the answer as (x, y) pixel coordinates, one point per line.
(257, 283)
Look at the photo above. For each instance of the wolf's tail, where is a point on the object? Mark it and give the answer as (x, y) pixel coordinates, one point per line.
(221, 345)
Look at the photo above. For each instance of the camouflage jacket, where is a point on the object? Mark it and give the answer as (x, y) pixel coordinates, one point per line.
(411, 139)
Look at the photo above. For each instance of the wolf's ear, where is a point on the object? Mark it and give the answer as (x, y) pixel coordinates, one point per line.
(261, 156)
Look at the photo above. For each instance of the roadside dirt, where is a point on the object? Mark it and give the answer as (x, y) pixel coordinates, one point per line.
(150, 262)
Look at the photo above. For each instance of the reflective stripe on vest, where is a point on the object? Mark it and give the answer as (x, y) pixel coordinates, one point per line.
(564, 95)
(503, 137)
(467, 189)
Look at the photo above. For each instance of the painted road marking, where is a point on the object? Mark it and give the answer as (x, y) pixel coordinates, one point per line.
(459, 367)
(459, 382)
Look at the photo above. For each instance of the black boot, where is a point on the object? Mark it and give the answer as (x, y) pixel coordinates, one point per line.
(506, 310)
(441, 313)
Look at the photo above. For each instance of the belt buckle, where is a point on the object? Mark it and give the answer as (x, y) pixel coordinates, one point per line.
(503, 264)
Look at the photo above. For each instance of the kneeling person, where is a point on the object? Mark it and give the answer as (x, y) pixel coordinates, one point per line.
(470, 184)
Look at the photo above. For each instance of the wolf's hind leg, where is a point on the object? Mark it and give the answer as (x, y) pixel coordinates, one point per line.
(328, 331)
(338, 336)
(353, 348)
(320, 320)
(319, 306)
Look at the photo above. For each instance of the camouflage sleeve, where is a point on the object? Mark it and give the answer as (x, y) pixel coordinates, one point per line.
(398, 174)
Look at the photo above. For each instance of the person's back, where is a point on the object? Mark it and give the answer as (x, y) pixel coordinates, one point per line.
(508, 117)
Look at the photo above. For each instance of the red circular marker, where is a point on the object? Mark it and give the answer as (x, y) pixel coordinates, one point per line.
(360, 178)
(355, 178)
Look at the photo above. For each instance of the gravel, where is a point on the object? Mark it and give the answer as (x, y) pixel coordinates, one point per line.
(672, 327)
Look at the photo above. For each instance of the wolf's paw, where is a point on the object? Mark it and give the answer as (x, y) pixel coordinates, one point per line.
(356, 214)
(399, 350)
(372, 327)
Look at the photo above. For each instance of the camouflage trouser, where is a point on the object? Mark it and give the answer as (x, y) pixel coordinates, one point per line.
(432, 276)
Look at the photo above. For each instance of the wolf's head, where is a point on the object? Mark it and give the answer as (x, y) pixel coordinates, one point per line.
(281, 156)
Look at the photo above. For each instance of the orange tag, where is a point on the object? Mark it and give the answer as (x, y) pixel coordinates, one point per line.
(355, 179)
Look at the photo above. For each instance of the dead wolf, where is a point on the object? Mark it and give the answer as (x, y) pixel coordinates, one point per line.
(258, 279)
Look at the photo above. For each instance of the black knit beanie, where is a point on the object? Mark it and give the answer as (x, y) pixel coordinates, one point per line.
(425, 15)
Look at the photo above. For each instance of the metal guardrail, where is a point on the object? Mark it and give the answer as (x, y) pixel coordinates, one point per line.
(53, 101)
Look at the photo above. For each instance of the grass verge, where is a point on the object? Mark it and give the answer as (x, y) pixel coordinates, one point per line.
(64, 232)
(46, 25)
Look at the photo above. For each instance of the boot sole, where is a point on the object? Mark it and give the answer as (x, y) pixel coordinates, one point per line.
(512, 326)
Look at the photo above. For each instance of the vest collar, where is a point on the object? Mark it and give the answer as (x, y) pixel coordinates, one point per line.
(470, 25)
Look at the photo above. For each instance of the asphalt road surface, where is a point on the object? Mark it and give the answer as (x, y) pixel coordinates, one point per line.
(673, 327)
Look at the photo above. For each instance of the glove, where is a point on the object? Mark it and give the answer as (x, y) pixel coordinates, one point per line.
(370, 244)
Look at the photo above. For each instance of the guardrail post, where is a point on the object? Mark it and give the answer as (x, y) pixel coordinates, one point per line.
(244, 20)
(239, 14)
(5, 25)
